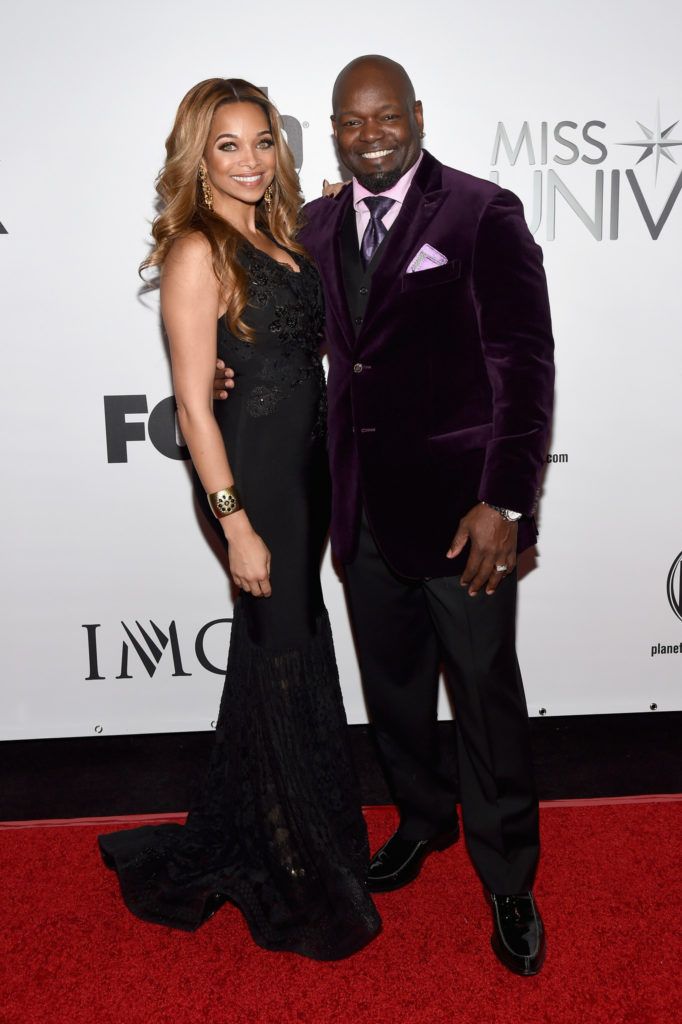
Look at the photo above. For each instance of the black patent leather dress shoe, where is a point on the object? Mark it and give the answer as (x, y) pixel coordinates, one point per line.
(518, 936)
(399, 860)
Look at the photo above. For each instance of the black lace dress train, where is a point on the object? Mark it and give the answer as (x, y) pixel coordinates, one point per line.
(278, 829)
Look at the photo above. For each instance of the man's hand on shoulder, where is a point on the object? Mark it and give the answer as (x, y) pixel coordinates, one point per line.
(493, 544)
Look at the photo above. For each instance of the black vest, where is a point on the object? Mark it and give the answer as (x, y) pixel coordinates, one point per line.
(356, 278)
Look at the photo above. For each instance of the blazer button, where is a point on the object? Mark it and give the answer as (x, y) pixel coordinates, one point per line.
(357, 368)
(363, 291)
(358, 321)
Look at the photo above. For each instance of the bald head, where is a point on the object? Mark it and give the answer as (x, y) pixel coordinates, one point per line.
(373, 68)
(376, 120)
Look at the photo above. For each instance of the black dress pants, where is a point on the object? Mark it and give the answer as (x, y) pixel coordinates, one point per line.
(404, 628)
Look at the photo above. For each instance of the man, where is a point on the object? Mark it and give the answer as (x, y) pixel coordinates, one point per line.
(440, 395)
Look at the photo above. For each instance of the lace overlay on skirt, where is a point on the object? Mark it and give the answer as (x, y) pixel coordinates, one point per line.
(278, 830)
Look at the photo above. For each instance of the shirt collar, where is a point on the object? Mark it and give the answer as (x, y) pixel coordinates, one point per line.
(398, 192)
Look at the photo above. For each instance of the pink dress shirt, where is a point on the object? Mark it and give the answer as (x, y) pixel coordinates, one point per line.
(398, 192)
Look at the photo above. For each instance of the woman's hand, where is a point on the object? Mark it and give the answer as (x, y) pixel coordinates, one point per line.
(248, 555)
(330, 190)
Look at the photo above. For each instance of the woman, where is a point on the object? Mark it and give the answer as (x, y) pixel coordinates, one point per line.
(278, 830)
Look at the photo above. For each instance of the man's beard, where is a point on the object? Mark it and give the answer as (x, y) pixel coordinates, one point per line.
(380, 181)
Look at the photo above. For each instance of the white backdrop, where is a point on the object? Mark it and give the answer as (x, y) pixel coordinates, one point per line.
(92, 547)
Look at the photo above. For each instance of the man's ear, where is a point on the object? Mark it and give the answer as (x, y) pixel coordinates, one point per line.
(419, 114)
(333, 121)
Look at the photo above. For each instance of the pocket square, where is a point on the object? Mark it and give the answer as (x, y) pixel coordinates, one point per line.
(426, 258)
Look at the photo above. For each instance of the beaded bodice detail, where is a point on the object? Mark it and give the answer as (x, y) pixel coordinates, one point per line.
(286, 312)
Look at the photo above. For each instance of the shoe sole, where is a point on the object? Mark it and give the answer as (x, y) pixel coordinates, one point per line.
(521, 972)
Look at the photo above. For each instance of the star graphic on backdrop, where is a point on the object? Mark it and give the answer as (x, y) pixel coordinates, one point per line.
(657, 141)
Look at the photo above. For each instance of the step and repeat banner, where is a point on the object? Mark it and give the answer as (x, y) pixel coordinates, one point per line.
(116, 608)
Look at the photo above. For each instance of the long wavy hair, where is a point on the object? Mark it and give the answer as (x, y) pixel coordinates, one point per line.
(183, 209)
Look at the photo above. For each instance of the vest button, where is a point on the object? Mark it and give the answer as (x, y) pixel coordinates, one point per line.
(357, 368)
(363, 291)
(358, 320)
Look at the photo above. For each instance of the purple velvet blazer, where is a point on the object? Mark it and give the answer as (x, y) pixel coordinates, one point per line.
(445, 396)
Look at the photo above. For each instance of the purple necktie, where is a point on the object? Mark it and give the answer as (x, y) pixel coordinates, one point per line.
(375, 232)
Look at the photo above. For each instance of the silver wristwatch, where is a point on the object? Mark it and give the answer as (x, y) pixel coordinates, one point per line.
(506, 513)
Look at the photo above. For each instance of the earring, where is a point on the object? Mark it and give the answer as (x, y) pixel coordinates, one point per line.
(206, 187)
(267, 199)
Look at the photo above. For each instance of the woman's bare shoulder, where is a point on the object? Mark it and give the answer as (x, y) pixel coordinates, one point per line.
(190, 258)
(192, 250)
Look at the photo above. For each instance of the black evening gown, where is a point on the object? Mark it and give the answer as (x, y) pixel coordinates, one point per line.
(278, 829)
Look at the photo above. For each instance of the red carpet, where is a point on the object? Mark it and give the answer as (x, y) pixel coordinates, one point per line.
(609, 889)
